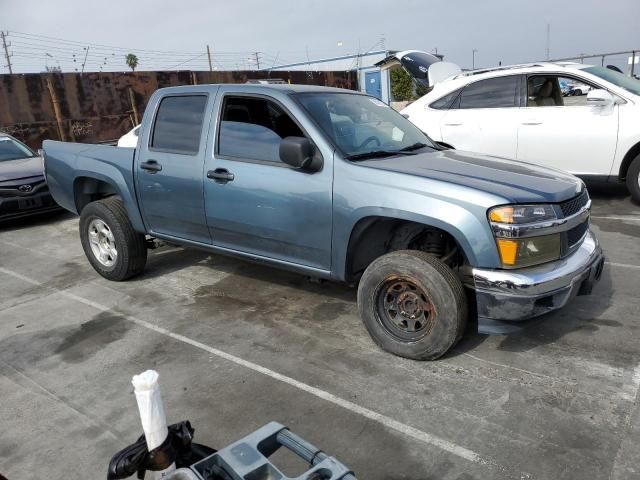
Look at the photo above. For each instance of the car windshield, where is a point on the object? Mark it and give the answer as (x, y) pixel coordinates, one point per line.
(362, 126)
(619, 79)
(12, 150)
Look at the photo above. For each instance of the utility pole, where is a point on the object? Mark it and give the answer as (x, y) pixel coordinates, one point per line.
(6, 51)
(209, 55)
(548, 40)
(258, 60)
(56, 107)
(473, 58)
(86, 52)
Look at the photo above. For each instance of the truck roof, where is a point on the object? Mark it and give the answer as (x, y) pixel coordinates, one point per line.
(256, 88)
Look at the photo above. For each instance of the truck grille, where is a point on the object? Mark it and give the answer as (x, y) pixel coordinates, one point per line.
(575, 235)
(573, 206)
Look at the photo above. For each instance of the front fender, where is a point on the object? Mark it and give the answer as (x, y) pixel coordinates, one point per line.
(471, 233)
(458, 210)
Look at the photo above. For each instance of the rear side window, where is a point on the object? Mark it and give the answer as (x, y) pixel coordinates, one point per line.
(445, 102)
(498, 92)
(178, 124)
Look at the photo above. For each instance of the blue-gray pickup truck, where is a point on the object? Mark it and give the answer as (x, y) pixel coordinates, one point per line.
(335, 184)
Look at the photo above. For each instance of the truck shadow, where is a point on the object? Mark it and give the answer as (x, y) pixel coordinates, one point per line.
(581, 315)
(244, 270)
(246, 280)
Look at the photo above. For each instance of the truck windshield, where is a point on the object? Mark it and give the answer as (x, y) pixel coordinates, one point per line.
(629, 84)
(12, 150)
(362, 126)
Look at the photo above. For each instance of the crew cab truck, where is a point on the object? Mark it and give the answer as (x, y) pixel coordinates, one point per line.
(335, 184)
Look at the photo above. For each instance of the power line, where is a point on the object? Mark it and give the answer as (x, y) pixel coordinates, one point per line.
(33, 52)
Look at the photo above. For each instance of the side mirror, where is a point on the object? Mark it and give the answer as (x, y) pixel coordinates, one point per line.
(300, 153)
(39, 152)
(600, 98)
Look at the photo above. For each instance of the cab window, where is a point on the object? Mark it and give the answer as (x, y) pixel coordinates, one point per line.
(252, 128)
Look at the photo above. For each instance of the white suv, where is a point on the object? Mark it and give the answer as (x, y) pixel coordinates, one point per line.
(580, 118)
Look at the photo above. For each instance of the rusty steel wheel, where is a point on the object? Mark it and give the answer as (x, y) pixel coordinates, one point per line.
(404, 308)
(412, 304)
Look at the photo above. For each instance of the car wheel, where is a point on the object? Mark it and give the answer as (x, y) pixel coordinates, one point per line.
(114, 249)
(412, 304)
(633, 179)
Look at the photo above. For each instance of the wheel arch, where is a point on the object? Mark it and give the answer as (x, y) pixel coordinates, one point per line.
(90, 188)
(633, 152)
(375, 235)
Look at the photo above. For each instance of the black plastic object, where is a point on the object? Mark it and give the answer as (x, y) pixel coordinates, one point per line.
(178, 447)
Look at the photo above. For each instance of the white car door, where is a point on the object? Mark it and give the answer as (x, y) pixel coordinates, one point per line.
(484, 118)
(559, 129)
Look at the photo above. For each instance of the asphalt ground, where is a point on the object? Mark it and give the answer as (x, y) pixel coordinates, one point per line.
(238, 345)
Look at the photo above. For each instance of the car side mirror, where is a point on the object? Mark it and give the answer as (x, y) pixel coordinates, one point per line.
(39, 152)
(600, 98)
(300, 153)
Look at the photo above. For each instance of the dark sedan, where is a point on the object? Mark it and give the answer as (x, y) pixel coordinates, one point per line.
(23, 190)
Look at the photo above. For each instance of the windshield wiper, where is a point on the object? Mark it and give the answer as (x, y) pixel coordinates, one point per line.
(377, 154)
(415, 146)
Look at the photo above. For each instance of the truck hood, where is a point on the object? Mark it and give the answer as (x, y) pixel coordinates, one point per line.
(516, 182)
(21, 168)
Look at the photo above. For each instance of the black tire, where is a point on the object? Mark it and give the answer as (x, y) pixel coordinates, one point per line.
(130, 245)
(633, 179)
(437, 289)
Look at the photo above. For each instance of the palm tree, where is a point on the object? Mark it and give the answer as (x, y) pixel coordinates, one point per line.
(132, 61)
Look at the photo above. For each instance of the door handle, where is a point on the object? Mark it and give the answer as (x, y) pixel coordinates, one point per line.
(454, 124)
(221, 175)
(151, 166)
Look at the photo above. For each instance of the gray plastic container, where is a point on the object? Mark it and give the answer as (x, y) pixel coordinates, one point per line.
(248, 458)
(182, 474)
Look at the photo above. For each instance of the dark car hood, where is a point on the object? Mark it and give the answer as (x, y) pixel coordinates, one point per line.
(21, 168)
(515, 181)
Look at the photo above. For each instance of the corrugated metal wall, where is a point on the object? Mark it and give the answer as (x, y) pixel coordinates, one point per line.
(96, 107)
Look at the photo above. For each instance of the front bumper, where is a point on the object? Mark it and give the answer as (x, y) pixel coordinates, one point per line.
(505, 299)
(16, 207)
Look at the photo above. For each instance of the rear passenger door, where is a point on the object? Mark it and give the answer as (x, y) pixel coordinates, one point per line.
(484, 117)
(255, 203)
(169, 168)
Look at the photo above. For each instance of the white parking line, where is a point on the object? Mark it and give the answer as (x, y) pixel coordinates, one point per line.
(388, 422)
(623, 265)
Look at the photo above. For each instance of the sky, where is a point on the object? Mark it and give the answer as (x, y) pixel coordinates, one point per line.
(174, 34)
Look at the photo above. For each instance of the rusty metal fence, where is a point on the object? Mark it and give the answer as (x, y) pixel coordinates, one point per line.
(100, 107)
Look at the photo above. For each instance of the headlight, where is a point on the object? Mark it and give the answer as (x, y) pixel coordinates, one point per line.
(519, 214)
(520, 234)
